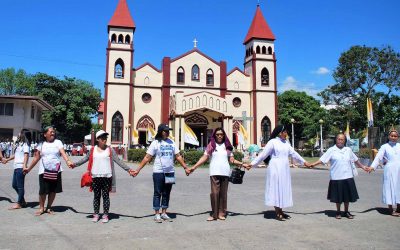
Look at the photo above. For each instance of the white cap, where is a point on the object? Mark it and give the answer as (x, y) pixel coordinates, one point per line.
(100, 133)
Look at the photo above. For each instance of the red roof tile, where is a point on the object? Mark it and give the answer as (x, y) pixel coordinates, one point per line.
(122, 17)
(259, 28)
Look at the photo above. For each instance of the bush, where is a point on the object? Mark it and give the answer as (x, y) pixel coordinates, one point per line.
(238, 155)
(365, 153)
(192, 156)
(136, 155)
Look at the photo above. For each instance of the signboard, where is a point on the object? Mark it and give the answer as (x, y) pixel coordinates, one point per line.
(354, 144)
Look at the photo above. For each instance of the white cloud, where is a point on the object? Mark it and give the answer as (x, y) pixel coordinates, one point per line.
(290, 83)
(321, 71)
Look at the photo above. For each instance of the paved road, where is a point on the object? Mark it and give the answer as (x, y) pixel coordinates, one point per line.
(249, 225)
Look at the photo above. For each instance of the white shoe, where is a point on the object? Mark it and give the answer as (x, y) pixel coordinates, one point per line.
(166, 217)
(157, 218)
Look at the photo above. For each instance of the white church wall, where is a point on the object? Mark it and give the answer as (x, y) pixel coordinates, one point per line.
(126, 58)
(237, 81)
(147, 76)
(152, 109)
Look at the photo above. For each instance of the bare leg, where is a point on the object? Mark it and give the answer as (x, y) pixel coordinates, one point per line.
(346, 211)
(42, 199)
(50, 201)
(338, 213)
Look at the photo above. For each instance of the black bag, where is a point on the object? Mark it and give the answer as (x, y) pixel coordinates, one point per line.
(236, 176)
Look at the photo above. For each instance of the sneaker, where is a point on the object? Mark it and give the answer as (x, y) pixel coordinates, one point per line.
(166, 217)
(95, 218)
(157, 218)
(104, 218)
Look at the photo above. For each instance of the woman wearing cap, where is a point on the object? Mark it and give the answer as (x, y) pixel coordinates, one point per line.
(342, 188)
(165, 151)
(20, 157)
(49, 153)
(390, 152)
(101, 162)
(219, 149)
(278, 190)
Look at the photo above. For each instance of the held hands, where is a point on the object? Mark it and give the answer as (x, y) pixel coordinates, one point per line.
(133, 173)
(4, 160)
(308, 165)
(247, 166)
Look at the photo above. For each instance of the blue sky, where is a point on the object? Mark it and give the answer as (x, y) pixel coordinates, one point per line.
(61, 37)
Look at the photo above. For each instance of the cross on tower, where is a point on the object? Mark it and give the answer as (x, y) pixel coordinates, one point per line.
(244, 119)
(195, 43)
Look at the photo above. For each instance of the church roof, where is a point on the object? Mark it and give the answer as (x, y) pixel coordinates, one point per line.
(259, 28)
(122, 17)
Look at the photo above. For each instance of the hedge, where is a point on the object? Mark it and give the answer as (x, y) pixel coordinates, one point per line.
(136, 155)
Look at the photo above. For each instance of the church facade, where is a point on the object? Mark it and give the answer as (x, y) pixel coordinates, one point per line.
(191, 88)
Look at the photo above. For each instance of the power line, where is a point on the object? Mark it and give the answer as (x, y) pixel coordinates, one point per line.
(37, 58)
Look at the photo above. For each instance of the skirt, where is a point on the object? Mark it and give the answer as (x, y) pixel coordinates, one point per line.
(342, 191)
(47, 187)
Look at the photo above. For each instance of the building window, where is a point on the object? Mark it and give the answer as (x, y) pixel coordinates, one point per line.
(146, 98)
(120, 38)
(265, 130)
(195, 73)
(236, 102)
(180, 75)
(119, 69)
(210, 77)
(117, 127)
(113, 38)
(270, 50)
(258, 50)
(265, 77)
(33, 109)
(127, 39)
(264, 50)
(38, 115)
(7, 109)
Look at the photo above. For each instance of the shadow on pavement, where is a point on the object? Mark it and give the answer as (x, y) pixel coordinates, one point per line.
(381, 210)
(6, 199)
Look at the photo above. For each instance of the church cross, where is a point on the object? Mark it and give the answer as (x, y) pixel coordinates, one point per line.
(244, 119)
(195, 43)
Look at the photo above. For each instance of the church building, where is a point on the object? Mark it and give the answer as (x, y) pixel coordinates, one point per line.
(191, 88)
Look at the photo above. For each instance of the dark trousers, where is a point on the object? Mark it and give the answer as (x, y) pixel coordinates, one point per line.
(18, 183)
(219, 195)
(101, 187)
(162, 191)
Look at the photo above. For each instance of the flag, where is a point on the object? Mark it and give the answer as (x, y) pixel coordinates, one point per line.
(190, 136)
(134, 135)
(316, 142)
(370, 113)
(365, 137)
(242, 135)
(347, 132)
(151, 133)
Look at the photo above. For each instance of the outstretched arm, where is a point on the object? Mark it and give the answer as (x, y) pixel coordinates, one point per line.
(35, 160)
(147, 158)
(200, 162)
(179, 158)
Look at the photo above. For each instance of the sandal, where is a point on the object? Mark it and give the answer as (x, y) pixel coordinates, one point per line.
(280, 217)
(50, 211)
(16, 206)
(348, 215)
(211, 218)
(39, 212)
(338, 215)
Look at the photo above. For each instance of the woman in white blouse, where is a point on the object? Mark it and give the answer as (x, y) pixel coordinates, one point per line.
(219, 149)
(342, 188)
(390, 152)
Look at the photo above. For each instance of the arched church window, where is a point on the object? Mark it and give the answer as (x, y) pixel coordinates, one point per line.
(258, 50)
(195, 73)
(117, 127)
(120, 38)
(210, 77)
(265, 77)
(119, 68)
(180, 75)
(265, 129)
(264, 50)
(236, 102)
(270, 50)
(127, 39)
(113, 38)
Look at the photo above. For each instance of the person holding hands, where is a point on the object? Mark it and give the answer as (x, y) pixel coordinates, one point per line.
(219, 151)
(342, 188)
(165, 152)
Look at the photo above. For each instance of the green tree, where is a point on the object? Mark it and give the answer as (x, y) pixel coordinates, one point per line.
(14, 82)
(305, 110)
(366, 72)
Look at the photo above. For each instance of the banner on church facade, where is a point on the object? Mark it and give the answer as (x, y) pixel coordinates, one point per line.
(190, 136)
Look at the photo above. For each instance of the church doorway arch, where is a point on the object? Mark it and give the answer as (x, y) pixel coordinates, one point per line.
(199, 124)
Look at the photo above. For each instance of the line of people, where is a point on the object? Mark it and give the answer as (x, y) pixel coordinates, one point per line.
(278, 190)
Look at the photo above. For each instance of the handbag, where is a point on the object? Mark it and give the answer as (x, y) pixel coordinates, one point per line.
(86, 180)
(51, 175)
(236, 176)
(169, 178)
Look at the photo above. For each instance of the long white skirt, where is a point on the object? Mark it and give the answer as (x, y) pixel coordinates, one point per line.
(391, 184)
(278, 186)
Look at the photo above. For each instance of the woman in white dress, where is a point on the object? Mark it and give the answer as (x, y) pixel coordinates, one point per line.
(278, 189)
(390, 153)
(342, 188)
